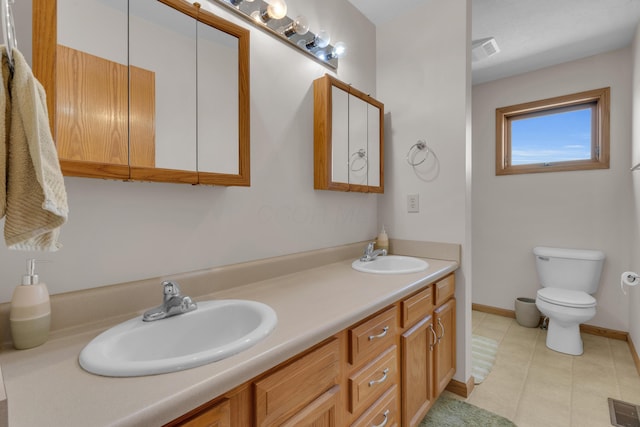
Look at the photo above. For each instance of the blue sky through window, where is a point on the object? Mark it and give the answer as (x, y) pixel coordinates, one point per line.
(552, 138)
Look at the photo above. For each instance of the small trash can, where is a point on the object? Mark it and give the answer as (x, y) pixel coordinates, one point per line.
(527, 314)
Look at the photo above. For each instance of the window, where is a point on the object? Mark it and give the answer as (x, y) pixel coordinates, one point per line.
(565, 133)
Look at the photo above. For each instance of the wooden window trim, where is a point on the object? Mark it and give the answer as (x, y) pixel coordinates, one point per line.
(599, 98)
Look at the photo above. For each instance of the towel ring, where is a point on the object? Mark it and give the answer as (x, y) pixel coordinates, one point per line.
(414, 150)
(362, 155)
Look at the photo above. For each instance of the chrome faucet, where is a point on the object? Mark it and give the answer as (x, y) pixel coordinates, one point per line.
(370, 254)
(172, 304)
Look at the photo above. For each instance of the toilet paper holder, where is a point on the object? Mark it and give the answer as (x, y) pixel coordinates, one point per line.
(629, 278)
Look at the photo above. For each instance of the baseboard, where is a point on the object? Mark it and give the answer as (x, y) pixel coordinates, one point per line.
(604, 332)
(494, 310)
(587, 329)
(634, 354)
(460, 388)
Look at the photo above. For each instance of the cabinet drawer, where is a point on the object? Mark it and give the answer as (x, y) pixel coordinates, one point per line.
(384, 412)
(285, 392)
(371, 381)
(417, 306)
(445, 289)
(324, 411)
(372, 336)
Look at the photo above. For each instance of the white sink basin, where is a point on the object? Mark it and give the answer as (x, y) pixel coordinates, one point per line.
(391, 264)
(215, 330)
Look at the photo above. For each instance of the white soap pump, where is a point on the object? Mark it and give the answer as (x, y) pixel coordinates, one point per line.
(30, 314)
(382, 242)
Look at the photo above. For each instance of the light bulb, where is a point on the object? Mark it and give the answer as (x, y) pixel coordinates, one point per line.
(339, 50)
(321, 40)
(300, 26)
(277, 9)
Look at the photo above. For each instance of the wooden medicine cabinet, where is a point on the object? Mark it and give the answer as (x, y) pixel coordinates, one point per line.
(348, 138)
(145, 90)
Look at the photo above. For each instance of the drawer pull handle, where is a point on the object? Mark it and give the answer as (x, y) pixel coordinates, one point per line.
(381, 380)
(380, 335)
(386, 418)
(435, 338)
(441, 326)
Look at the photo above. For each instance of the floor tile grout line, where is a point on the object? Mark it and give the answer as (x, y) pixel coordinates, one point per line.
(615, 371)
(526, 376)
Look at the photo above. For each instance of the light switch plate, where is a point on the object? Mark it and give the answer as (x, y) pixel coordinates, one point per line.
(413, 203)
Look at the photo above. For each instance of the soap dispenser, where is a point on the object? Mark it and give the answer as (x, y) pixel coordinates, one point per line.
(30, 314)
(383, 240)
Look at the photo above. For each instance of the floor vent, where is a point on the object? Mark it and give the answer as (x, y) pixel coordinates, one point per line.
(623, 414)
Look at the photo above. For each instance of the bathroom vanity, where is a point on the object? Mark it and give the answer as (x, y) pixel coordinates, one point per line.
(351, 348)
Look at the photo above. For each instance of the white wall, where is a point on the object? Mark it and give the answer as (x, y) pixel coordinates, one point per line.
(123, 231)
(424, 81)
(586, 209)
(634, 264)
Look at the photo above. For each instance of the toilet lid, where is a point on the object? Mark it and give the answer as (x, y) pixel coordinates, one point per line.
(566, 297)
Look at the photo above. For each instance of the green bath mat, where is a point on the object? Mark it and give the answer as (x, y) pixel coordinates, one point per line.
(450, 412)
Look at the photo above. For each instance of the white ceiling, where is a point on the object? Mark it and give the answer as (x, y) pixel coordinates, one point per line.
(533, 34)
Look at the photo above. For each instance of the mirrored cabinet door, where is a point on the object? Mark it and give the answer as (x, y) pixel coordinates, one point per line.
(374, 146)
(339, 135)
(217, 101)
(163, 90)
(223, 102)
(87, 65)
(348, 138)
(358, 151)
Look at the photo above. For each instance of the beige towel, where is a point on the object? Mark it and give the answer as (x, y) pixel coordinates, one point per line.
(5, 111)
(36, 204)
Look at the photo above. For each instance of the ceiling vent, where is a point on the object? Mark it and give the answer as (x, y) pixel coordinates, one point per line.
(483, 48)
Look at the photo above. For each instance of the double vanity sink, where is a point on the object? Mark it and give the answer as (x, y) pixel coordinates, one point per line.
(213, 331)
(315, 296)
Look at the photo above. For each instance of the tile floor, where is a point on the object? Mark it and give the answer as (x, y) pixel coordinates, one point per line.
(537, 387)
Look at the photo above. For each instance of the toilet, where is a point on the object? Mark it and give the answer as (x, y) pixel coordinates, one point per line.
(568, 278)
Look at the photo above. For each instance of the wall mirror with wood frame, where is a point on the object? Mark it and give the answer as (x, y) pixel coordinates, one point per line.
(145, 90)
(348, 138)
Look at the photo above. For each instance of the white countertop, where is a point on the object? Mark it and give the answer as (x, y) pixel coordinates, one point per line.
(46, 386)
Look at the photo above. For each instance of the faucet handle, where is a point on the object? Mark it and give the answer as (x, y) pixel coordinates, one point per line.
(369, 248)
(170, 289)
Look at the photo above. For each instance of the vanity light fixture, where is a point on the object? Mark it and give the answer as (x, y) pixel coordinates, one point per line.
(236, 3)
(300, 26)
(271, 16)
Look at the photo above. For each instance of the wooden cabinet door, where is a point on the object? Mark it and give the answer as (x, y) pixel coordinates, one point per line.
(417, 349)
(445, 349)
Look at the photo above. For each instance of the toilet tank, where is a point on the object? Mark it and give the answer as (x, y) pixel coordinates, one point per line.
(574, 269)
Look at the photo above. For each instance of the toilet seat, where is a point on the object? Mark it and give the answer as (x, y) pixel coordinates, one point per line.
(566, 297)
